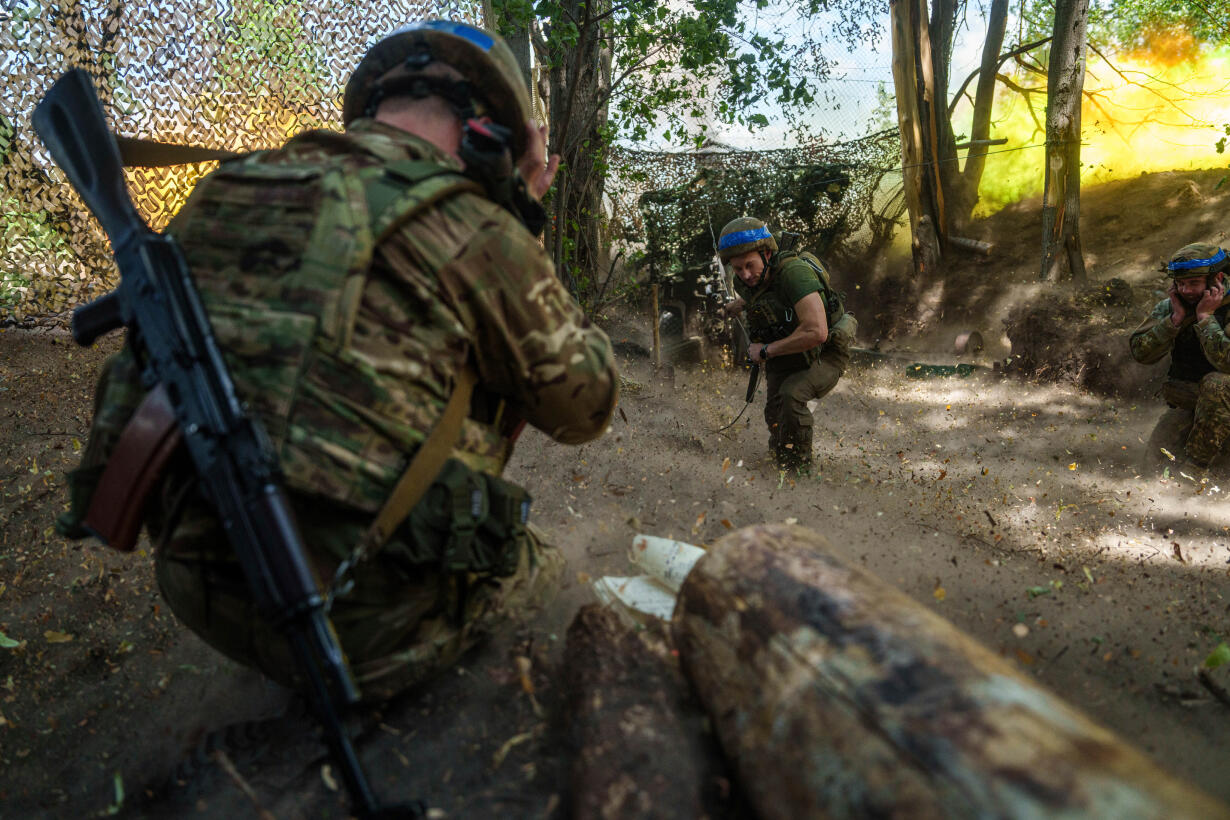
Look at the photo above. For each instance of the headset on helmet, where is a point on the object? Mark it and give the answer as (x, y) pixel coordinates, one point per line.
(492, 79)
(744, 235)
(1197, 259)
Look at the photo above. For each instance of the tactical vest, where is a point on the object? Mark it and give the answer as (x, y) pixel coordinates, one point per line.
(770, 315)
(1187, 360)
(281, 244)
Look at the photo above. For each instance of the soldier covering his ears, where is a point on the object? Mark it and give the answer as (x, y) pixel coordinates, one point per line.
(1190, 325)
(365, 287)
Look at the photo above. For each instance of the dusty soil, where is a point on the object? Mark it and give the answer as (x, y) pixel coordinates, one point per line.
(1034, 516)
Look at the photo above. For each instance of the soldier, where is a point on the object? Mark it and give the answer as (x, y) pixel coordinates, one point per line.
(359, 284)
(800, 332)
(1190, 325)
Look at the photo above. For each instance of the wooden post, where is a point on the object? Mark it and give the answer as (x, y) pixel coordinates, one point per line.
(835, 695)
(657, 336)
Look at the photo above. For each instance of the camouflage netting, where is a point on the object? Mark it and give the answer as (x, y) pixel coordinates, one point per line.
(246, 74)
(825, 193)
(237, 74)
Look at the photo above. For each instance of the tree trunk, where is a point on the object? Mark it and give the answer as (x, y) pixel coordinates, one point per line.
(980, 128)
(1062, 256)
(516, 36)
(947, 175)
(908, 21)
(579, 79)
(835, 695)
(636, 751)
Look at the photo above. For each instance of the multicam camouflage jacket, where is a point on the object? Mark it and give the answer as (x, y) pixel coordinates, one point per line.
(350, 277)
(1196, 348)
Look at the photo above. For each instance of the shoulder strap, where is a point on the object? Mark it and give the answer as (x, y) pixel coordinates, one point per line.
(399, 192)
(422, 470)
(404, 190)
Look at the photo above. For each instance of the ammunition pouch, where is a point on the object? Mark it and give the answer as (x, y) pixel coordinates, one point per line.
(466, 522)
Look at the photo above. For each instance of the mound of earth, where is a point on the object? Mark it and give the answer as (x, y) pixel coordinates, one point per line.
(1074, 331)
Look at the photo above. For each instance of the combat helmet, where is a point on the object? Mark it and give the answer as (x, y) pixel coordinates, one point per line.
(744, 235)
(1197, 259)
(493, 80)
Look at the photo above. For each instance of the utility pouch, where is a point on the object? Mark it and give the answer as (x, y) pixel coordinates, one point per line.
(509, 510)
(467, 521)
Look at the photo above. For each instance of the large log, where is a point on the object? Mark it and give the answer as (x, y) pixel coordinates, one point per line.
(639, 744)
(835, 695)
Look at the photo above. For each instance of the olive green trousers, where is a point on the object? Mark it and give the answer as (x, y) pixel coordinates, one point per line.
(397, 625)
(786, 412)
(1207, 405)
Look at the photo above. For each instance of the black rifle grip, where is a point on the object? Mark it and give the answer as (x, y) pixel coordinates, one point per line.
(93, 319)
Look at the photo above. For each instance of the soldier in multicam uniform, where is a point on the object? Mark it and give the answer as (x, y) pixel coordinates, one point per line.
(1190, 325)
(800, 331)
(353, 281)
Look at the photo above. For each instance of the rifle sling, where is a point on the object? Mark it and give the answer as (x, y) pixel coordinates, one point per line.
(423, 468)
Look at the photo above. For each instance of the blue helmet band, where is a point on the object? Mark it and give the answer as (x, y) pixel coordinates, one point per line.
(1188, 264)
(744, 237)
(476, 36)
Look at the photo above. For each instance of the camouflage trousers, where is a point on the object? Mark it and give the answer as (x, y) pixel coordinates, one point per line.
(1207, 405)
(397, 625)
(786, 413)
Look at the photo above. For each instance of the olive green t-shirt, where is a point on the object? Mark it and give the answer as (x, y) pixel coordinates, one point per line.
(797, 279)
(792, 281)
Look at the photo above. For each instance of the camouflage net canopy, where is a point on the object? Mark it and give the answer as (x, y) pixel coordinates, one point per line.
(238, 75)
(837, 193)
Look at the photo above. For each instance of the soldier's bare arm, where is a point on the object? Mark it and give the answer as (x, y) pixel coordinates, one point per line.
(812, 330)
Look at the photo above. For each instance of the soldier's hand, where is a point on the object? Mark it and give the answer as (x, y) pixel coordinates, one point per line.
(1177, 310)
(1210, 301)
(536, 168)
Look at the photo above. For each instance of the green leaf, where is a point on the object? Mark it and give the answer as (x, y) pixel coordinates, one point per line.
(1218, 657)
(8, 643)
(1034, 592)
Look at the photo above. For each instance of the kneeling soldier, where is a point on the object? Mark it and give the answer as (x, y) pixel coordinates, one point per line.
(1190, 325)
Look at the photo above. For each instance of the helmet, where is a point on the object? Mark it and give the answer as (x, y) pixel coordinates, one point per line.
(1198, 259)
(743, 235)
(482, 58)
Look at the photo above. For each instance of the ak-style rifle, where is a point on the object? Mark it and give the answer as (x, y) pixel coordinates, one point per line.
(238, 468)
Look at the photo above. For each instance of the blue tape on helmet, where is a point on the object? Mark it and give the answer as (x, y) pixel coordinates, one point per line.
(466, 32)
(1188, 264)
(743, 237)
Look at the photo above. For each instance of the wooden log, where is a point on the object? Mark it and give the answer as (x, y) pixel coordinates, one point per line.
(985, 248)
(640, 746)
(835, 695)
(971, 143)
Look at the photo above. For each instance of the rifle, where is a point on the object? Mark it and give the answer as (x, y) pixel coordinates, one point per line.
(233, 456)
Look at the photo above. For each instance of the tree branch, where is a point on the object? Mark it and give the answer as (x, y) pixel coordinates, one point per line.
(1003, 58)
(1025, 92)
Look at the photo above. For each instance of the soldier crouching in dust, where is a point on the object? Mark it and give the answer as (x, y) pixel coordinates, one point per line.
(801, 334)
(358, 283)
(1190, 325)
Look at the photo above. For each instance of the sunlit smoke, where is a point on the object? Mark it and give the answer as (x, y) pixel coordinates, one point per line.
(1160, 110)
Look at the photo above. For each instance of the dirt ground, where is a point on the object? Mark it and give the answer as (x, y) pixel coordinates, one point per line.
(1034, 516)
